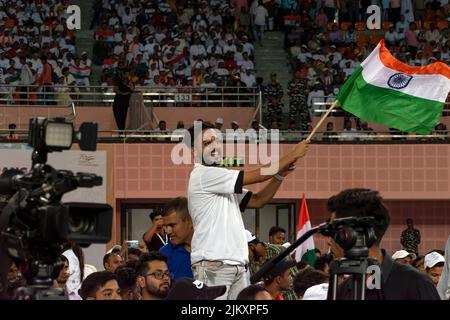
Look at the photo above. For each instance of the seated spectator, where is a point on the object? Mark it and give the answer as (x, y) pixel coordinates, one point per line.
(154, 277)
(434, 264)
(403, 256)
(100, 286)
(126, 279)
(111, 261)
(279, 279)
(254, 292)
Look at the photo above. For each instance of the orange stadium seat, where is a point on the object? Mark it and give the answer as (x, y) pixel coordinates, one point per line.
(9, 23)
(426, 25)
(442, 24)
(360, 26)
(386, 25)
(345, 25)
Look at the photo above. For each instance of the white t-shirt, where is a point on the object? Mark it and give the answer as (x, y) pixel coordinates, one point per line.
(260, 16)
(219, 232)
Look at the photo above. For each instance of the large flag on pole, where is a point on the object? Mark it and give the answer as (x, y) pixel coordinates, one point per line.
(386, 91)
(305, 252)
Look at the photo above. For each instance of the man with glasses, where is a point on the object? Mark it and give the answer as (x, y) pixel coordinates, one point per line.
(154, 277)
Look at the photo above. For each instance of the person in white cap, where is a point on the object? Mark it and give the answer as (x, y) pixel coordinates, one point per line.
(443, 286)
(434, 264)
(403, 256)
(219, 123)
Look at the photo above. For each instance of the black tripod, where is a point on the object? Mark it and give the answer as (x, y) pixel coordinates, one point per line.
(40, 287)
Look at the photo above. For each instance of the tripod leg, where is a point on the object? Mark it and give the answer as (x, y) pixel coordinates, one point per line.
(335, 282)
(363, 287)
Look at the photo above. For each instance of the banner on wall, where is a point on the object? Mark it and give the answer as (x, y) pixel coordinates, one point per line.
(19, 156)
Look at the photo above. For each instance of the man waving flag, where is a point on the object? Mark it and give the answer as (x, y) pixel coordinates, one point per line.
(386, 91)
(305, 252)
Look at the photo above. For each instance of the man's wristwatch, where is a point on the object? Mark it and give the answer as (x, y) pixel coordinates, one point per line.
(279, 177)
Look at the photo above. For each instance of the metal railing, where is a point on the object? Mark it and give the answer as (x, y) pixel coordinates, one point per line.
(338, 137)
(62, 96)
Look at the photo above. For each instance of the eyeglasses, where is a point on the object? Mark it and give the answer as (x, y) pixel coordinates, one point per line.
(160, 275)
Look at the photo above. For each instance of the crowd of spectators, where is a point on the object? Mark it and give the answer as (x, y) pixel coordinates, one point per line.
(326, 43)
(37, 48)
(167, 44)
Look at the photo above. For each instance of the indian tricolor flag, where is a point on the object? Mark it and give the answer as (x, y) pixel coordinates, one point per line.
(79, 72)
(305, 252)
(386, 91)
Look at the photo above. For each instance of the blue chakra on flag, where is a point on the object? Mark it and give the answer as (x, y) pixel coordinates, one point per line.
(399, 80)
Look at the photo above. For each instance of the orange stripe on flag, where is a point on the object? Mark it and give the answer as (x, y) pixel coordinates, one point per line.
(391, 62)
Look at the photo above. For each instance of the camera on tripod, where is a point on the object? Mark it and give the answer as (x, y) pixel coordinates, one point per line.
(355, 235)
(34, 222)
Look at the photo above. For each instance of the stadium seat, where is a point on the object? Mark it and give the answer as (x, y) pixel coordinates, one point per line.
(418, 24)
(345, 25)
(426, 25)
(386, 25)
(360, 26)
(442, 24)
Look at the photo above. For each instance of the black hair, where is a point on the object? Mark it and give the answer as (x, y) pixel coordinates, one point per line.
(126, 278)
(307, 278)
(59, 266)
(361, 203)
(93, 282)
(276, 229)
(439, 264)
(409, 220)
(178, 205)
(131, 264)
(154, 214)
(321, 262)
(142, 266)
(106, 258)
(317, 250)
(204, 126)
(416, 261)
(135, 251)
(250, 292)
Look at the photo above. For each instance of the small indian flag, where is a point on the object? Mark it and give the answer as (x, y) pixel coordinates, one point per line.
(386, 91)
(79, 72)
(305, 252)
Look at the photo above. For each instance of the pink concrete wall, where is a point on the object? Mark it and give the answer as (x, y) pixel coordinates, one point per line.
(399, 171)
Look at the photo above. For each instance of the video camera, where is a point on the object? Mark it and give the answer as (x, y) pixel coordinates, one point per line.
(354, 235)
(34, 223)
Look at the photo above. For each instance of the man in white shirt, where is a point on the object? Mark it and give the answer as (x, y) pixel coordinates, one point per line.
(248, 78)
(216, 199)
(260, 16)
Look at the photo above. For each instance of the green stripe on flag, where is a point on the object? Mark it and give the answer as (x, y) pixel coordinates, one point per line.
(388, 107)
(309, 257)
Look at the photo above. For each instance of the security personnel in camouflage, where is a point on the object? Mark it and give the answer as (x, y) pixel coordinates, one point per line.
(274, 93)
(298, 108)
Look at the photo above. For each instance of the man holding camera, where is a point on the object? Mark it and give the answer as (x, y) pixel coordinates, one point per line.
(398, 281)
(216, 199)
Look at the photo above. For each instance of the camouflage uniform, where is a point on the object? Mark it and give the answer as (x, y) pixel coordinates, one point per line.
(298, 109)
(274, 110)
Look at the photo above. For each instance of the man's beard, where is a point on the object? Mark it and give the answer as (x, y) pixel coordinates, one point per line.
(157, 292)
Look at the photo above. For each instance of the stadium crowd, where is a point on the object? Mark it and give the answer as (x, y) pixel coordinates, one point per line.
(37, 48)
